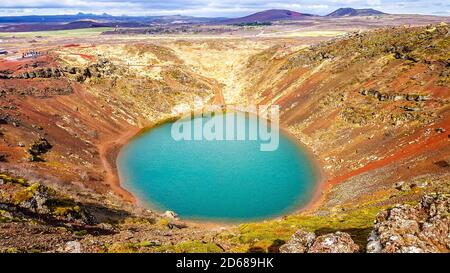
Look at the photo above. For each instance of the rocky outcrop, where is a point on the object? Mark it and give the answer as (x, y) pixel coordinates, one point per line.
(393, 97)
(42, 73)
(300, 242)
(45, 201)
(307, 242)
(9, 119)
(339, 242)
(424, 228)
(170, 215)
(38, 148)
(407, 229)
(102, 68)
(34, 198)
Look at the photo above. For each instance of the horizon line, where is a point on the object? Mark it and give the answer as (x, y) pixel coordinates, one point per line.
(227, 17)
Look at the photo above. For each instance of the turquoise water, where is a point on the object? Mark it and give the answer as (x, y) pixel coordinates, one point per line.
(216, 180)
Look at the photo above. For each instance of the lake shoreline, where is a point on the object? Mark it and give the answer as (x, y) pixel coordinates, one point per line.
(113, 149)
(108, 152)
(321, 179)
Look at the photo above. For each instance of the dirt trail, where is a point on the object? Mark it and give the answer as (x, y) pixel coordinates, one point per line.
(218, 98)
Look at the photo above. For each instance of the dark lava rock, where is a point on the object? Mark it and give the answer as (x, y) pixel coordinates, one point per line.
(8, 119)
(440, 130)
(42, 73)
(442, 164)
(424, 228)
(39, 148)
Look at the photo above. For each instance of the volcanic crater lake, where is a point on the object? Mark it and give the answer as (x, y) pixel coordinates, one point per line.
(219, 180)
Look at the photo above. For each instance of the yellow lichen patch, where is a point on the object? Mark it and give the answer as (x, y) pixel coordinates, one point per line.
(138, 221)
(8, 179)
(163, 222)
(27, 193)
(64, 211)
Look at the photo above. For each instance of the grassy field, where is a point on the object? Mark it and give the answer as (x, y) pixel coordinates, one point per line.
(58, 33)
(300, 33)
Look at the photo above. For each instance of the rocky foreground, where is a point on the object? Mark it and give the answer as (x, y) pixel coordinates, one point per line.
(424, 228)
(38, 218)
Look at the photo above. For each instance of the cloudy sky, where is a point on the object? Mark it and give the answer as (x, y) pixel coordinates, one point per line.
(209, 8)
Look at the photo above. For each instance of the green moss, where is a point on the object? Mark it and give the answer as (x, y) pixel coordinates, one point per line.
(264, 235)
(80, 233)
(12, 250)
(7, 217)
(131, 247)
(182, 247)
(145, 244)
(121, 248)
(191, 247)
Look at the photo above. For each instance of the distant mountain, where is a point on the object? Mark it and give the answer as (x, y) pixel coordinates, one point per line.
(43, 19)
(103, 18)
(31, 27)
(269, 16)
(347, 12)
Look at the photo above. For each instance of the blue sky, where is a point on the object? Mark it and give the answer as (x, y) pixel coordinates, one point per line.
(209, 8)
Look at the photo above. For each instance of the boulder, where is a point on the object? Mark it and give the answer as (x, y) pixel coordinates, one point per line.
(339, 242)
(170, 215)
(72, 247)
(300, 242)
(424, 228)
(176, 224)
(37, 202)
(307, 242)
(38, 148)
(402, 186)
